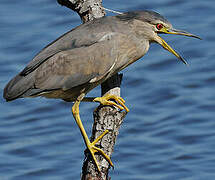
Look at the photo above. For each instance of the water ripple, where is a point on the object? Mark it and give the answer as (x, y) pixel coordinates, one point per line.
(169, 132)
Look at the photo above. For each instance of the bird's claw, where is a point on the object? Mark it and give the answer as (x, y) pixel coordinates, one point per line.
(106, 100)
(93, 149)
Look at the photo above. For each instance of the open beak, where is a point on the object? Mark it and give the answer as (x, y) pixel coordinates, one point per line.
(177, 32)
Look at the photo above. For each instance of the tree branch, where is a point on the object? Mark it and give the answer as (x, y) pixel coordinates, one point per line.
(86, 9)
(105, 117)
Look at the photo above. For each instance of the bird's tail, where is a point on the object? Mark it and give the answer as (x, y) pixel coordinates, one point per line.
(18, 86)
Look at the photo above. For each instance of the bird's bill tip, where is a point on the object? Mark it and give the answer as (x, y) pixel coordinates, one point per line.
(168, 48)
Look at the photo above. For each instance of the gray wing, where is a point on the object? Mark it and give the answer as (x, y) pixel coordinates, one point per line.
(70, 68)
(81, 36)
(69, 40)
(67, 68)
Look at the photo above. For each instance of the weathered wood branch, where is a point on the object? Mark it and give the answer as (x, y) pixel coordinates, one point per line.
(105, 117)
(86, 9)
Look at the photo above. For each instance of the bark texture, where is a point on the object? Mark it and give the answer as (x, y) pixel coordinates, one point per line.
(87, 9)
(105, 117)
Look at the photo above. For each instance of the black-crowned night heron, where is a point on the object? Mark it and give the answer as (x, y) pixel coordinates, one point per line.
(86, 56)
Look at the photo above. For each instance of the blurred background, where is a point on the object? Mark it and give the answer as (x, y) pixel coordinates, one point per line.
(169, 132)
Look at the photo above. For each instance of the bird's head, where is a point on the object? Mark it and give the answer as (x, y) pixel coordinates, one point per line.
(155, 24)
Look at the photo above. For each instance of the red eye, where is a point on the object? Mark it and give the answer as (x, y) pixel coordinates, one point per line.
(159, 26)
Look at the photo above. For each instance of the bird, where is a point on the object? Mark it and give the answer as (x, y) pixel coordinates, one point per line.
(81, 59)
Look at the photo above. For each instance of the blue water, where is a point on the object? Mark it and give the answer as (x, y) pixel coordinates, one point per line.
(169, 133)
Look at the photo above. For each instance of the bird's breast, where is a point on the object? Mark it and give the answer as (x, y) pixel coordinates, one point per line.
(129, 53)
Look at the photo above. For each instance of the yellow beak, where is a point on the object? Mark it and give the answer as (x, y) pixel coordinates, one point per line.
(177, 32)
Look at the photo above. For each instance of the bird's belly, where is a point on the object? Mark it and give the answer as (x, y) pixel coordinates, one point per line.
(70, 94)
(59, 94)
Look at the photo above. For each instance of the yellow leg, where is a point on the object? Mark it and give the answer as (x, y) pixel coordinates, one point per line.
(91, 146)
(105, 100)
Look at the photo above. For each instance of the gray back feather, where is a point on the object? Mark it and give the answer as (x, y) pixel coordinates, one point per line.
(82, 36)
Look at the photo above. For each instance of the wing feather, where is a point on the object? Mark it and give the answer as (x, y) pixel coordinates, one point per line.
(84, 54)
(70, 68)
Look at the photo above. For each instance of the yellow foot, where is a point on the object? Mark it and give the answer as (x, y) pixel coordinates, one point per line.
(105, 100)
(93, 149)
